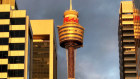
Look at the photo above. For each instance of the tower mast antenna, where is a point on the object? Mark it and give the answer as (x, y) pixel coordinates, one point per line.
(70, 4)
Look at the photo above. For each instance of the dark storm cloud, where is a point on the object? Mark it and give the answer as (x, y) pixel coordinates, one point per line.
(98, 59)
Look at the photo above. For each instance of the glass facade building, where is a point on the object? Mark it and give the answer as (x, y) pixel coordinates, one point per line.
(43, 58)
(15, 41)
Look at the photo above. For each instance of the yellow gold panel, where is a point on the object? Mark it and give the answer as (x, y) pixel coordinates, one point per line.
(129, 46)
(128, 22)
(26, 48)
(15, 66)
(71, 24)
(39, 40)
(71, 36)
(16, 53)
(71, 15)
(3, 61)
(70, 12)
(70, 28)
(51, 55)
(127, 6)
(17, 27)
(128, 34)
(16, 40)
(13, 7)
(5, 1)
(4, 34)
(11, 2)
(3, 47)
(42, 27)
(4, 21)
(3, 75)
(5, 8)
(127, 16)
(71, 39)
(15, 78)
(71, 32)
(18, 14)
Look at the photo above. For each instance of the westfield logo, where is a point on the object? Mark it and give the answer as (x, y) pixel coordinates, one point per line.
(68, 19)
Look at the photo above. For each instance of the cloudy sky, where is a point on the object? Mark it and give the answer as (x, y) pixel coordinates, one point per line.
(99, 58)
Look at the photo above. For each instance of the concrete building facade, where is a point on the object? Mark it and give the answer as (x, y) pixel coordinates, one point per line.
(15, 41)
(136, 10)
(127, 56)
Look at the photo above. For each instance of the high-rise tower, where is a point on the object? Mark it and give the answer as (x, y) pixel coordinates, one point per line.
(126, 41)
(15, 41)
(136, 15)
(71, 37)
(44, 57)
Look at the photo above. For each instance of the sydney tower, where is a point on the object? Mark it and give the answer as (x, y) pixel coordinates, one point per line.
(71, 37)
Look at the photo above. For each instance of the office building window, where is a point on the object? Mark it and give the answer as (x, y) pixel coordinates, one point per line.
(4, 15)
(4, 28)
(15, 73)
(15, 59)
(3, 68)
(40, 60)
(18, 21)
(3, 54)
(17, 33)
(17, 46)
(4, 41)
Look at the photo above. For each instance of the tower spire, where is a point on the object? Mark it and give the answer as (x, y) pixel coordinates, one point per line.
(70, 4)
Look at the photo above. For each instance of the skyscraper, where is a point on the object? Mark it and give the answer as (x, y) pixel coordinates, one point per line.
(15, 41)
(44, 57)
(127, 57)
(136, 10)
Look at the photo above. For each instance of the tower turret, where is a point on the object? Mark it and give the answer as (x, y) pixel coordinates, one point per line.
(71, 31)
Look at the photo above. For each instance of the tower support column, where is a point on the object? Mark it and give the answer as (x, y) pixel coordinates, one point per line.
(71, 70)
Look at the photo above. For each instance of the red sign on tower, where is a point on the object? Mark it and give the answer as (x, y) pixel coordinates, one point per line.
(68, 19)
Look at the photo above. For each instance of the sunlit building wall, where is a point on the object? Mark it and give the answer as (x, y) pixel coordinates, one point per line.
(15, 41)
(43, 58)
(127, 57)
(137, 39)
(136, 7)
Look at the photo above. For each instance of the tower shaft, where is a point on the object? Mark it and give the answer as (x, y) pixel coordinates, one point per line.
(71, 68)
